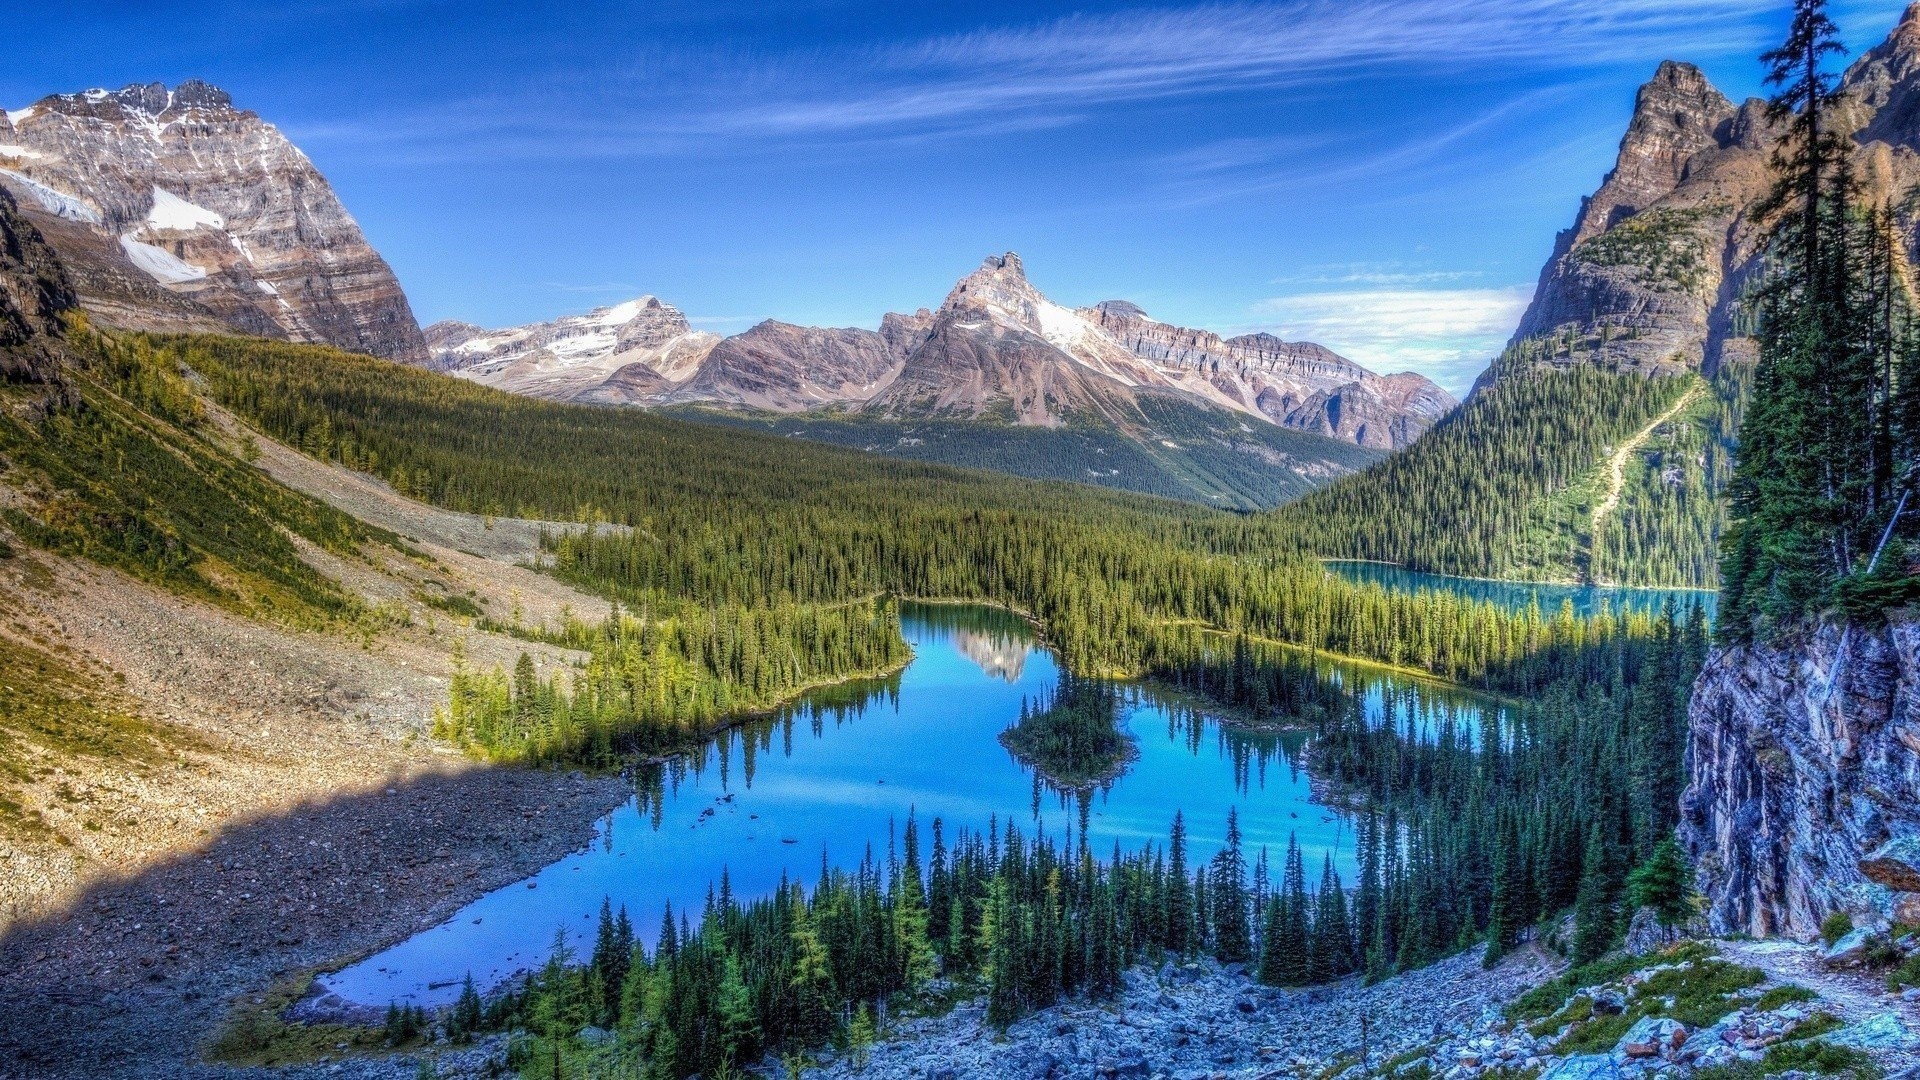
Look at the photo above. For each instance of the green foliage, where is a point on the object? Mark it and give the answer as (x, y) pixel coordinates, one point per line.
(1806, 1057)
(1907, 973)
(1830, 444)
(1216, 458)
(1072, 735)
(650, 685)
(1665, 247)
(1672, 509)
(1547, 998)
(1664, 882)
(1697, 993)
(1504, 487)
(1836, 925)
(1779, 997)
(1558, 795)
(128, 473)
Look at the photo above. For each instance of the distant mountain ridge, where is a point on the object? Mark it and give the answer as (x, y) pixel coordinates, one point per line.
(173, 210)
(996, 348)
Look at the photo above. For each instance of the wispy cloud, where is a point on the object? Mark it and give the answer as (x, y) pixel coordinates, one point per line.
(1447, 335)
(1044, 74)
(1374, 273)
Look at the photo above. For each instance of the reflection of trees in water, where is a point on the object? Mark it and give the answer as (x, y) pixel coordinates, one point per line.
(654, 781)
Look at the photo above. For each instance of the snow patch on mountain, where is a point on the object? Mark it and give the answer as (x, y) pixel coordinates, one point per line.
(172, 212)
(53, 200)
(159, 263)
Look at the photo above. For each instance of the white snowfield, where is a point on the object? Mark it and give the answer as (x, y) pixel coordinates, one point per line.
(175, 214)
(55, 202)
(159, 263)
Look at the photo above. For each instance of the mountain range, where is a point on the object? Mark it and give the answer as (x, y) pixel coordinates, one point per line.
(995, 348)
(175, 211)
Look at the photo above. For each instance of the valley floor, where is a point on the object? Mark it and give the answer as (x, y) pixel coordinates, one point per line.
(297, 810)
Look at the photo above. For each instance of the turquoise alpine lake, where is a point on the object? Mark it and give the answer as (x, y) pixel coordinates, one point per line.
(1516, 595)
(834, 777)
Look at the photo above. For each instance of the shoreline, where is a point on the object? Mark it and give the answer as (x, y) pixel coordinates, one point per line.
(1323, 560)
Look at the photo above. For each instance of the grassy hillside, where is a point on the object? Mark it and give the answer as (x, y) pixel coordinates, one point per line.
(1209, 456)
(120, 465)
(1520, 483)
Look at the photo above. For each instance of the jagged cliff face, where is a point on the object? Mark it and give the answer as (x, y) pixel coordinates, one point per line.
(995, 348)
(1652, 274)
(34, 291)
(1800, 804)
(176, 211)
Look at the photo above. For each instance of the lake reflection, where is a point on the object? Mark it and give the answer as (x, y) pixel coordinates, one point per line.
(834, 777)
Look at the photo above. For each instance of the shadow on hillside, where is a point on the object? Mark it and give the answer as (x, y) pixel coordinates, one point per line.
(133, 976)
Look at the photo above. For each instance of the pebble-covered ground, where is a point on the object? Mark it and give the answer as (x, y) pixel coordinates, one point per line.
(1202, 1020)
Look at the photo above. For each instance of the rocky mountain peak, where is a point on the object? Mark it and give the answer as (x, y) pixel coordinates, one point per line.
(1676, 115)
(1000, 287)
(174, 211)
(1886, 81)
(150, 101)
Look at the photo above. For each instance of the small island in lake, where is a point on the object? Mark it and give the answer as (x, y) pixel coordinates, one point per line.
(1073, 738)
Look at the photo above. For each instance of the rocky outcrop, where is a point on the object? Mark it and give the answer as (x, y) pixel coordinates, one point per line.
(1652, 275)
(34, 291)
(1800, 803)
(176, 211)
(996, 349)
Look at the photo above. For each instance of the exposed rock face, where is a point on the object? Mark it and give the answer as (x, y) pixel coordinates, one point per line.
(1651, 275)
(608, 354)
(996, 348)
(34, 290)
(791, 368)
(1298, 385)
(176, 211)
(1790, 794)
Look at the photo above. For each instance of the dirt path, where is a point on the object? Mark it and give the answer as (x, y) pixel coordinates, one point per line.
(1853, 995)
(1617, 464)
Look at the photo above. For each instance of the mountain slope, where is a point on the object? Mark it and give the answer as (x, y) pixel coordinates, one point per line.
(173, 210)
(1645, 295)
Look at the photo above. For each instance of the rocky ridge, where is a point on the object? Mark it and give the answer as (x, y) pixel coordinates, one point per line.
(1652, 276)
(176, 211)
(995, 348)
(1804, 794)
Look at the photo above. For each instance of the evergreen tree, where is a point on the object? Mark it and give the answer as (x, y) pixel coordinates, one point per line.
(1595, 922)
(1232, 934)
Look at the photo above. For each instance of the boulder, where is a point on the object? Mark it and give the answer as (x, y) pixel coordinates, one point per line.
(1895, 864)
(1850, 949)
(1878, 1033)
(1584, 1067)
(1651, 1037)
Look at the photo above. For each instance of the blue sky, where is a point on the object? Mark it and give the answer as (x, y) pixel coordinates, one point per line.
(1383, 176)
